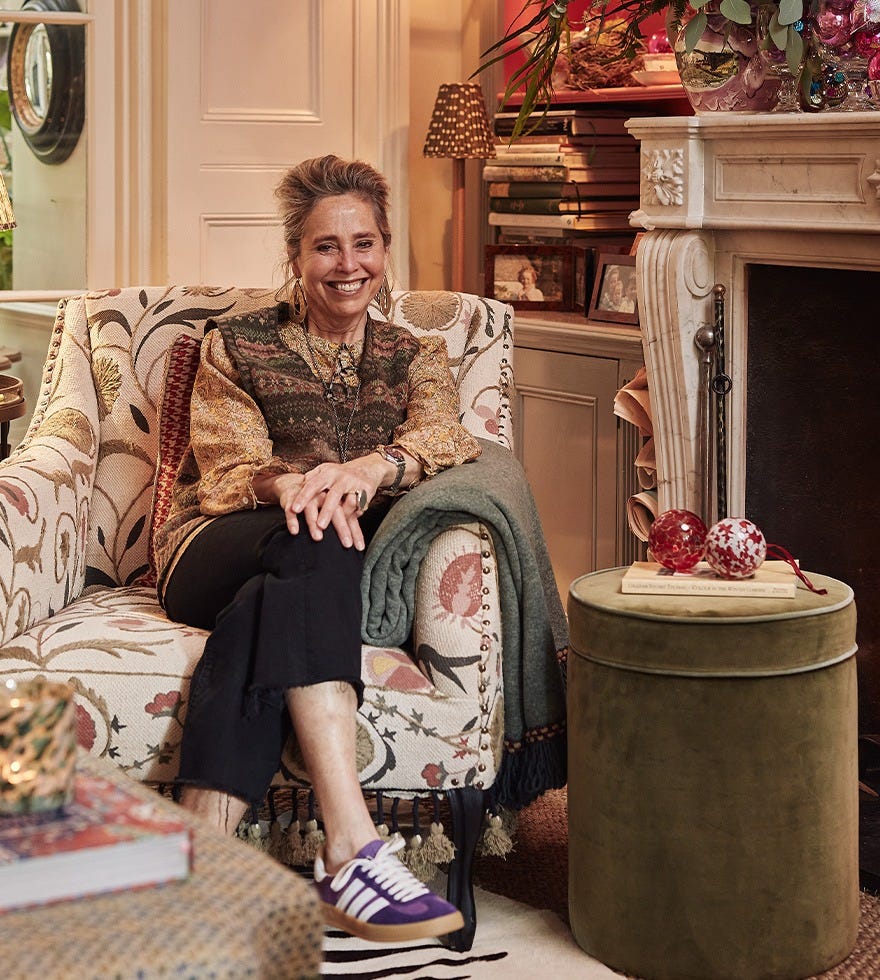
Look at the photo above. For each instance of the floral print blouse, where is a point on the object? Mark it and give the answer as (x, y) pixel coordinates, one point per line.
(230, 443)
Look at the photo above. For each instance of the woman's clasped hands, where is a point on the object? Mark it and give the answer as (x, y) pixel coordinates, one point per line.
(330, 493)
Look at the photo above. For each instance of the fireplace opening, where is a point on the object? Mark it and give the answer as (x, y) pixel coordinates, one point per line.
(813, 418)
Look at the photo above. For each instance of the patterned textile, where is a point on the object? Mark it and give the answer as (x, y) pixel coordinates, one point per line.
(183, 362)
(492, 488)
(239, 914)
(75, 505)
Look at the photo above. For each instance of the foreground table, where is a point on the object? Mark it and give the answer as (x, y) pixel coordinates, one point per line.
(240, 914)
(713, 785)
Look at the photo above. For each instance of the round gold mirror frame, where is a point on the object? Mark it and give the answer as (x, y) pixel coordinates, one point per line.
(51, 130)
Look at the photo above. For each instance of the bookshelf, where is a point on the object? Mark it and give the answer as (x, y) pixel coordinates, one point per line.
(577, 454)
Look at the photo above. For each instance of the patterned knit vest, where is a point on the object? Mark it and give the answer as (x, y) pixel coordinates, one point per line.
(291, 398)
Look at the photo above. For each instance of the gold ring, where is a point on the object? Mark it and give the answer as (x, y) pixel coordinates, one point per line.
(362, 499)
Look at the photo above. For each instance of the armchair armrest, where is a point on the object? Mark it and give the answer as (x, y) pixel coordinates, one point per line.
(45, 491)
(457, 619)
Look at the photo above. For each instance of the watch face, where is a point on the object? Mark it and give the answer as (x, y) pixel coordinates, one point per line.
(394, 453)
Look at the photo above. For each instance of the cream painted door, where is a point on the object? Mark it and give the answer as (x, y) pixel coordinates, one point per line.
(254, 86)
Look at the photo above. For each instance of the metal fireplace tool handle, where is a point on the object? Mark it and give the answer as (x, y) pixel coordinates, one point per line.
(713, 445)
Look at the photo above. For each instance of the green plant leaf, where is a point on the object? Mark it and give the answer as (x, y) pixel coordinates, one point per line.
(778, 32)
(699, 4)
(794, 50)
(736, 10)
(790, 11)
(693, 30)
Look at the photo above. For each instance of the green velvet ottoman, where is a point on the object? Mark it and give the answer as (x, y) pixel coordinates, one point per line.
(713, 784)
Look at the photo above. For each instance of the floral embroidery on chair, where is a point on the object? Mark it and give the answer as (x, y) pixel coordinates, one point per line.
(79, 492)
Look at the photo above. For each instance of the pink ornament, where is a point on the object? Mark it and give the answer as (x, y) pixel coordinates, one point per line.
(659, 43)
(874, 67)
(868, 40)
(676, 539)
(735, 548)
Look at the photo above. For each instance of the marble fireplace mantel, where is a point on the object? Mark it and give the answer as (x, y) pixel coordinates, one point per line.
(719, 193)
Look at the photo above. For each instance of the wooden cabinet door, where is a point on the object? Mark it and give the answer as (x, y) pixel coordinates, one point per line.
(566, 439)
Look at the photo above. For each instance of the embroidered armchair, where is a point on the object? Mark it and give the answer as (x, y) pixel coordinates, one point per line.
(79, 500)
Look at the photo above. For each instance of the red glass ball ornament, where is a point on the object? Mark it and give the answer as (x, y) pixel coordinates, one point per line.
(735, 548)
(676, 539)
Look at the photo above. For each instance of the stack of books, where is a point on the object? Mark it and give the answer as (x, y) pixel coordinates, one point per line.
(576, 172)
(108, 839)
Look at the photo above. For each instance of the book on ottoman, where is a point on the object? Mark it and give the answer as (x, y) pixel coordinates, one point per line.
(774, 579)
(107, 839)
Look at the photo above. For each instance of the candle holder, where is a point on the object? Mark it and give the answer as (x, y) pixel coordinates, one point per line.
(37, 746)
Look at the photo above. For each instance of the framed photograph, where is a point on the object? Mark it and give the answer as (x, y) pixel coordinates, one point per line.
(583, 260)
(614, 290)
(530, 277)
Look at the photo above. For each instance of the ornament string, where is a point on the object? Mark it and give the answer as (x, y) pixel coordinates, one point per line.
(777, 551)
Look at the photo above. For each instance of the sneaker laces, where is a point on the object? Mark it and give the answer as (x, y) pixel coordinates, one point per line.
(386, 870)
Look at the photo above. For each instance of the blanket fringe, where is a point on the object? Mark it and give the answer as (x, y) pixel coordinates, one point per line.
(529, 769)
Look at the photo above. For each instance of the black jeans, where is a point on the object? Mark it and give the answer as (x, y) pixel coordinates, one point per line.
(284, 611)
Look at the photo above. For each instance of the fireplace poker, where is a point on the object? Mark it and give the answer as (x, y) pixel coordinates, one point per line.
(704, 338)
(721, 385)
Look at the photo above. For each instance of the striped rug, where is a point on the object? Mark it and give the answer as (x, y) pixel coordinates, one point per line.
(513, 942)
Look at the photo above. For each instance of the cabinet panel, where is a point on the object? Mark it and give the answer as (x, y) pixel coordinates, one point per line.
(566, 438)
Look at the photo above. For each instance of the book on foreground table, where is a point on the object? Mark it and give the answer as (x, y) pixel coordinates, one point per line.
(774, 579)
(108, 839)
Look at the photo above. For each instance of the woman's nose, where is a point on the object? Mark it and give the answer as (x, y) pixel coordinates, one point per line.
(347, 258)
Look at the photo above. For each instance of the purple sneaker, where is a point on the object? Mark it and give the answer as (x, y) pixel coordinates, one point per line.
(373, 896)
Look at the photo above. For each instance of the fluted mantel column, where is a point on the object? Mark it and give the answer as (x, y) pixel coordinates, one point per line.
(675, 270)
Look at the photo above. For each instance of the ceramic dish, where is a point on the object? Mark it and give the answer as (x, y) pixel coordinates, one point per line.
(657, 77)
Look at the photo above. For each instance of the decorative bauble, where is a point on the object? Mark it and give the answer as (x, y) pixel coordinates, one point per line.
(676, 539)
(868, 40)
(735, 548)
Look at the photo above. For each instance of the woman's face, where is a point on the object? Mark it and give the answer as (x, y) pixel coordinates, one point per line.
(527, 277)
(341, 262)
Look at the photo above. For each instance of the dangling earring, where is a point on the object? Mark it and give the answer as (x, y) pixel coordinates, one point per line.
(299, 306)
(383, 297)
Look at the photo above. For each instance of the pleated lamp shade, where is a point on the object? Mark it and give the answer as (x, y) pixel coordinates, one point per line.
(7, 218)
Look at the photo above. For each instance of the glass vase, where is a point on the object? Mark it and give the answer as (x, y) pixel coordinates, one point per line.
(726, 71)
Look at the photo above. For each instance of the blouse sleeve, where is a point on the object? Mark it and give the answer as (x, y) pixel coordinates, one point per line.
(432, 433)
(230, 440)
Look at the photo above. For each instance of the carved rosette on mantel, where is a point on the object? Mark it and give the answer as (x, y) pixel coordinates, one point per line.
(720, 192)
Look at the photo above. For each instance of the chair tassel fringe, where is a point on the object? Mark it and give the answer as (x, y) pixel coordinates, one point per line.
(251, 831)
(314, 836)
(414, 855)
(496, 839)
(438, 848)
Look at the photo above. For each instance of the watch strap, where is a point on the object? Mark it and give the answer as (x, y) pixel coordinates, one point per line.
(393, 455)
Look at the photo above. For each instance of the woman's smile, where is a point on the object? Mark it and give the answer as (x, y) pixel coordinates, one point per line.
(341, 264)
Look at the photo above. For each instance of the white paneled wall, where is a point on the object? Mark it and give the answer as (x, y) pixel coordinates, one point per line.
(253, 88)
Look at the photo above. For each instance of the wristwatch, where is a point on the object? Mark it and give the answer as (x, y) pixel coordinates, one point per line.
(392, 454)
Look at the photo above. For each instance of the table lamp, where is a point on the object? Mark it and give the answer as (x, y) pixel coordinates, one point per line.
(459, 129)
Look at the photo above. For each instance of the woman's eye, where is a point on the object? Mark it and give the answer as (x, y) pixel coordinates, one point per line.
(325, 247)
(366, 243)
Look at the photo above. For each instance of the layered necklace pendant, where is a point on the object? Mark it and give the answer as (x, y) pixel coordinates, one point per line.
(342, 385)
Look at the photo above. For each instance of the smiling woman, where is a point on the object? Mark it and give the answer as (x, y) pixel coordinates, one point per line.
(306, 420)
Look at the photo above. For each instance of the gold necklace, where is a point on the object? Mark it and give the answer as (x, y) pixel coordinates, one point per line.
(342, 372)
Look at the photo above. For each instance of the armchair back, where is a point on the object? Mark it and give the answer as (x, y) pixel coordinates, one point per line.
(107, 377)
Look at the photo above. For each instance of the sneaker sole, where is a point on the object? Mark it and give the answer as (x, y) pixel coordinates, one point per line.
(377, 933)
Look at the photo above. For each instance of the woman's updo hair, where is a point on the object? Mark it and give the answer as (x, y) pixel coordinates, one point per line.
(311, 181)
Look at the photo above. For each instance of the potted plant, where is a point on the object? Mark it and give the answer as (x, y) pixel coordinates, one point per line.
(714, 30)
